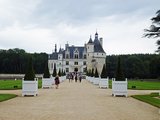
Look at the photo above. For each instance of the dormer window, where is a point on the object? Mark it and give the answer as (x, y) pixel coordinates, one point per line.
(76, 54)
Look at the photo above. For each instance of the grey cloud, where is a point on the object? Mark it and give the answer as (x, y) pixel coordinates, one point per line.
(47, 13)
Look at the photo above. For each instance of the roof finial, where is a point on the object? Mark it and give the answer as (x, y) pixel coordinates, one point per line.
(96, 32)
(55, 48)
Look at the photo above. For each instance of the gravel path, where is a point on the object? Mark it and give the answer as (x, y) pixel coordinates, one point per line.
(76, 101)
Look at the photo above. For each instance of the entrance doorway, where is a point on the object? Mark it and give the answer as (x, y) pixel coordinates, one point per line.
(75, 69)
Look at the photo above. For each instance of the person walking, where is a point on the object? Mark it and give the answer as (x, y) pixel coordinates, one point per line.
(76, 78)
(57, 81)
(80, 78)
(69, 77)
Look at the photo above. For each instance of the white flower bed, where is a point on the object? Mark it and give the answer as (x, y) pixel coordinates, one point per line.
(96, 81)
(119, 87)
(103, 83)
(47, 82)
(30, 87)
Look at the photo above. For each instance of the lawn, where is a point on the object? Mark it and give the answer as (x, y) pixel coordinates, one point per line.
(4, 97)
(151, 99)
(141, 85)
(144, 85)
(14, 84)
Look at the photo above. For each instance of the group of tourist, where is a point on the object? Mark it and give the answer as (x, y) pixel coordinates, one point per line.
(74, 76)
(71, 76)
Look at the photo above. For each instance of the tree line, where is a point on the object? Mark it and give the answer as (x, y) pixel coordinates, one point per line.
(144, 66)
(140, 66)
(14, 61)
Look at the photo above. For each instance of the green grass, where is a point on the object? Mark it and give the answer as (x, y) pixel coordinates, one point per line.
(141, 85)
(144, 85)
(149, 99)
(4, 97)
(9, 84)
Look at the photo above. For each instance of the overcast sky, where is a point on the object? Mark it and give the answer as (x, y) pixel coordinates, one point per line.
(37, 25)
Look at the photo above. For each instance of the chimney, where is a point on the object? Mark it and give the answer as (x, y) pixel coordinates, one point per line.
(66, 45)
(55, 48)
(101, 41)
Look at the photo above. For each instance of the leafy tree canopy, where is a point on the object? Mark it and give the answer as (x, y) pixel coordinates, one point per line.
(154, 30)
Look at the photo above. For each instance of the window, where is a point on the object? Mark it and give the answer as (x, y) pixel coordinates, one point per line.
(67, 56)
(84, 70)
(88, 54)
(84, 62)
(84, 56)
(76, 53)
(88, 47)
(67, 62)
(102, 53)
(76, 56)
(67, 69)
(75, 63)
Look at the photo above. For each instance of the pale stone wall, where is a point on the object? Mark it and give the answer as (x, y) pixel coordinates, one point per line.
(101, 62)
(61, 64)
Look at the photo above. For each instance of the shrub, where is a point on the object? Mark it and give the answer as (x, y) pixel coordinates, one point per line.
(54, 71)
(96, 74)
(59, 73)
(64, 73)
(92, 73)
(104, 72)
(46, 71)
(30, 75)
(119, 71)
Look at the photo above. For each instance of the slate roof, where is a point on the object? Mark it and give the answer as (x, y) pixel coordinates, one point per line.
(80, 50)
(97, 46)
(53, 56)
(90, 40)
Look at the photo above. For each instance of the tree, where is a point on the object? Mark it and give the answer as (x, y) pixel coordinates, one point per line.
(64, 73)
(135, 67)
(92, 73)
(119, 71)
(54, 71)
(155, 67)
(89, 72)
(59, 73)
(104, 72)
(30, 75)
(46, 71)
(154, 30)
(96, 74)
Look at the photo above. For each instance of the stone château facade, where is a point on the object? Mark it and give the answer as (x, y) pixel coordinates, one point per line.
(91, 55)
